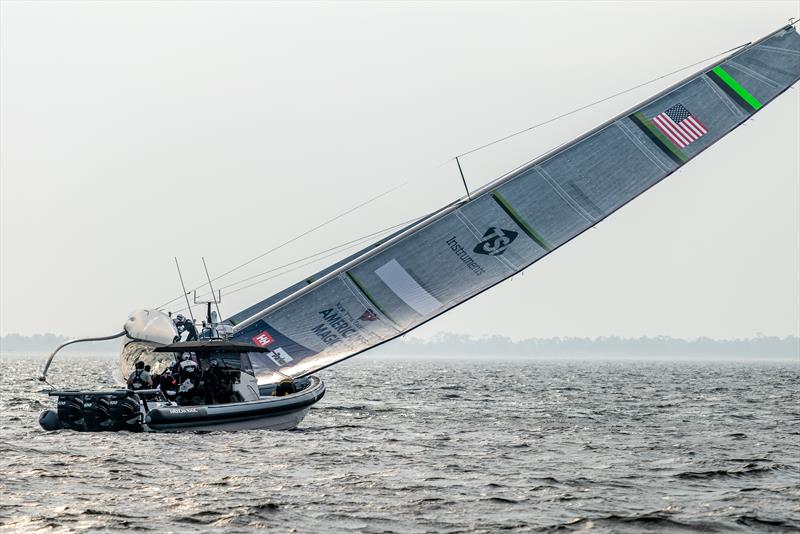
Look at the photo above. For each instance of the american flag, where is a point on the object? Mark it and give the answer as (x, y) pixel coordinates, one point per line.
(680, 125)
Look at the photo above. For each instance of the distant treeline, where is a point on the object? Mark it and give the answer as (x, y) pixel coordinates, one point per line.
(447, 343)
(459, 344)
(48, 342)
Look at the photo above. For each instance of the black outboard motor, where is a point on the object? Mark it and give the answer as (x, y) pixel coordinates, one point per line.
(70, 411)
(96, 413)
(125, 413)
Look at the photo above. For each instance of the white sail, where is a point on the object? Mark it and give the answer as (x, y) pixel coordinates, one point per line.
(463, 249)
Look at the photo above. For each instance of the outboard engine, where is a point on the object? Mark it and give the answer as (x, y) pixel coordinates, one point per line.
(126, 413)
(117, 409)
(88, 411)
(70, 411)
(95, 413)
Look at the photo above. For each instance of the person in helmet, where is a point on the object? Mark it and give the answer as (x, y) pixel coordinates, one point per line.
(182, 324)
(214, 383)
(178, 320)
(188, 368)
(139, 378)
(168, 385)
(188, 377)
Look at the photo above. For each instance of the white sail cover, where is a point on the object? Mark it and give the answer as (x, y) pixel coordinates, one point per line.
(422, 271)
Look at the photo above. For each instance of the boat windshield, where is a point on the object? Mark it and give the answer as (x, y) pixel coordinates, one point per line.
(232, 361)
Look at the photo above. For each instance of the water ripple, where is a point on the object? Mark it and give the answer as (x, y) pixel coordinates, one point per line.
(452, 447)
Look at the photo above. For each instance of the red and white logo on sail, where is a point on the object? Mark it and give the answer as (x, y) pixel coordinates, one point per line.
(262, 339)
(368, 315)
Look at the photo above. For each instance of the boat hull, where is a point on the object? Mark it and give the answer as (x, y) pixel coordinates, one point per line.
(274, 413)
(284, 421)
(93, 411)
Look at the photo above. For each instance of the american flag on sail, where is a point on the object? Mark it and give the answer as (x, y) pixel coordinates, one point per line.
(679, 125)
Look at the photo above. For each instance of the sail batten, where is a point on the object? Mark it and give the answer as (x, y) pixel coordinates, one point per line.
(507, 225)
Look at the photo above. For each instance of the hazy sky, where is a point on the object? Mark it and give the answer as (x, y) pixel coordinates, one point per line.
(132, 133)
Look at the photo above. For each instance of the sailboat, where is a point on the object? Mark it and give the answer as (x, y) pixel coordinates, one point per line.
(273, 348)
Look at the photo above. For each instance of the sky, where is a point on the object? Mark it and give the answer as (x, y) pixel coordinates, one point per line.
(132, 133)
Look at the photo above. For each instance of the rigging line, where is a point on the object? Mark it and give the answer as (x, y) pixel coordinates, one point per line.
(293, 239)
(185, 294)
(216, 304)
(293, 269)
(553, 119)
(287, 271)
(576, 110)
(462, 177)
(277, 275)
(339, 246)
(290, 270)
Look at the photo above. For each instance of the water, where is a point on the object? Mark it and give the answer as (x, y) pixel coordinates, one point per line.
(437, 446)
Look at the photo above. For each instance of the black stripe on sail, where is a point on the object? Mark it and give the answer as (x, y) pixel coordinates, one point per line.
(728, 90)
(369, 297)
(648, 130)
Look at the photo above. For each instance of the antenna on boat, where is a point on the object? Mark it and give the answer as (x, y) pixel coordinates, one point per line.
(185, 294)
(216, 300)
(462, 177)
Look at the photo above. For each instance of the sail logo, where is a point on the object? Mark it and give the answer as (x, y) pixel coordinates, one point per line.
(262, 339)
(464, 256)
(279, 356)
(495, 241)
(368, 315)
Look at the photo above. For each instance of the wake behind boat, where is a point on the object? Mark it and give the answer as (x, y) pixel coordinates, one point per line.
(434, 264)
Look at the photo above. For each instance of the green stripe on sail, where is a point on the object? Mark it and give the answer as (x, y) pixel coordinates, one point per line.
(733, 84)
(517, 218)
(372, 301)
(663, 142)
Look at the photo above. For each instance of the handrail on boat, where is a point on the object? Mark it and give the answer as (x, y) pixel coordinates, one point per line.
(43, 377)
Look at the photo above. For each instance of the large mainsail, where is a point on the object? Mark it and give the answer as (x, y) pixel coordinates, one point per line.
(463, 249)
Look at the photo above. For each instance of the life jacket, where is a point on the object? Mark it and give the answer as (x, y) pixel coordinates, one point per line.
(168, 385)
(138, 382)
(189, 366)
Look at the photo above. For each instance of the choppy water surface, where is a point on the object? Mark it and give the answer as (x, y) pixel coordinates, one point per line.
(444, 446)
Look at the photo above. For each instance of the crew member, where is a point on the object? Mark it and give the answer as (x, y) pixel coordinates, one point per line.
(188, 325)
(188, 368)
(187, 378)
(284, 387)
(139, 378)
(216, 383)
(182, 324)
(168, 385)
